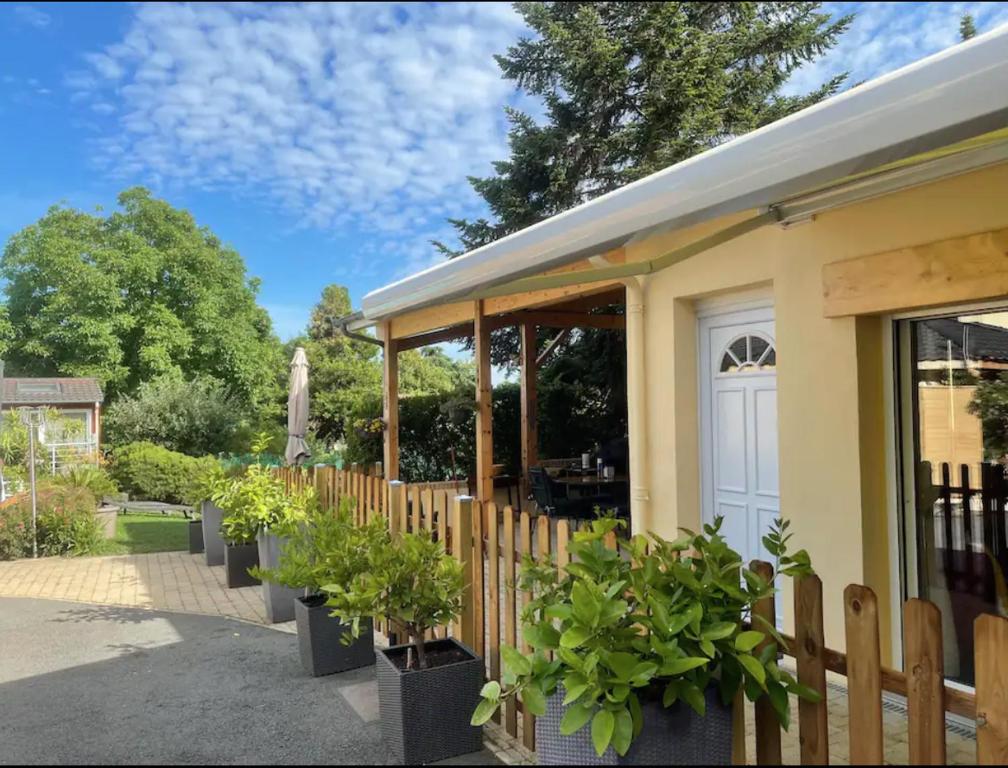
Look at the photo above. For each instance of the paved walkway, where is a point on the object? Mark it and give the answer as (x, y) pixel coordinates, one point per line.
(164, 581)
(99, 684)
(182, 583)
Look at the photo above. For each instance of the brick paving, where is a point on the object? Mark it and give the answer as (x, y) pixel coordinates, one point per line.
(163, 581)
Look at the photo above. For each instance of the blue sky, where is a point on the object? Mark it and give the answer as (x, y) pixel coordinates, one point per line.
(327, 143)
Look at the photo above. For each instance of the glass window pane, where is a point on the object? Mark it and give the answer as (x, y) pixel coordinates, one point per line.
(759, 346)
(738, 348)
(959, 392)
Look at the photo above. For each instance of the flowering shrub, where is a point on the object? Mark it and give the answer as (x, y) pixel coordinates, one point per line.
(66, 523)
(15, 529)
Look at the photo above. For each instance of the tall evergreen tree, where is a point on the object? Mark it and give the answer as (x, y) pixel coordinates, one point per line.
(967, 26)
(630, 88)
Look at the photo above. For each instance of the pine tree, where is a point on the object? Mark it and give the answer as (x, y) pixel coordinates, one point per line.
(967, 26)
(630, 88)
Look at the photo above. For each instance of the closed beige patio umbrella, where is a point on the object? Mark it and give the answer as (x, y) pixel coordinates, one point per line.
(297, 409)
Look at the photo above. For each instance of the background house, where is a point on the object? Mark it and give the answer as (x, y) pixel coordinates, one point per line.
(74, 399)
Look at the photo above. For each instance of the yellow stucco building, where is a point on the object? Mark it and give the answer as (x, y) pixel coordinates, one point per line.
(796, 303)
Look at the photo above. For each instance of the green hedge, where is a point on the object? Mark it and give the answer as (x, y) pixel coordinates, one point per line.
(572, 419)
(148, 471)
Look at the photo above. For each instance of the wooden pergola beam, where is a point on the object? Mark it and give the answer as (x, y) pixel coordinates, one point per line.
(484, 406)
(552, 319)
(529, 408)
(454, 333)
(390, 403)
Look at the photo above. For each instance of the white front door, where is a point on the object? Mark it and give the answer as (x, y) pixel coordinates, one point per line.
(738, 426)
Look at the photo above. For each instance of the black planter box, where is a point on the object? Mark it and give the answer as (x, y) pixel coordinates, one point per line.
(195, 537)
(238, 558)
(319, 635)
(425, 713)
(673, 736)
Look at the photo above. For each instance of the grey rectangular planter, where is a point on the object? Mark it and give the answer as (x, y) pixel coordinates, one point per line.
(319, 635)
(673, 736)
(213, 542)
(238, 558)
(195, 537)
(279, 600)
(425, 713)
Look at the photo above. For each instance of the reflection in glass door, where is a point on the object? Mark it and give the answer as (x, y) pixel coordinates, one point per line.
(954, 380)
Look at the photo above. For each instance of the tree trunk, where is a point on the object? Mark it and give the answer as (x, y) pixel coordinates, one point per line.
(417, 636)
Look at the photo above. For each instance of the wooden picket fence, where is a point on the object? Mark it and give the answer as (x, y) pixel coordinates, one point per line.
(497, 538)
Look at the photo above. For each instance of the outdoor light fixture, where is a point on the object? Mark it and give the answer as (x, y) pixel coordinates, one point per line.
(34, 419)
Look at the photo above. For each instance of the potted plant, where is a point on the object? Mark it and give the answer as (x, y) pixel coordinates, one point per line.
(196, 534)
(426, 689)
(651, 642)
(209, 486)
(327, 549)
(241, 552)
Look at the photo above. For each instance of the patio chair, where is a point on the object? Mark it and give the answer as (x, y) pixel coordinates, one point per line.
(551, 497)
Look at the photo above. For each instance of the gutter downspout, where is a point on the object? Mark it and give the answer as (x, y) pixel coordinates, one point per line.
(340, 326)
(640, 496)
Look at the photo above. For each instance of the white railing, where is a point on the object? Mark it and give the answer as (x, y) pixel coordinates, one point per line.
(59, 455)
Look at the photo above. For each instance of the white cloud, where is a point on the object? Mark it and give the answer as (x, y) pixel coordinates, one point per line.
(344, 115)
(887, 36)
(32, 16)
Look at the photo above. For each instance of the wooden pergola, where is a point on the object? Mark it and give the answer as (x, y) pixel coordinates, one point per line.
(563, 309)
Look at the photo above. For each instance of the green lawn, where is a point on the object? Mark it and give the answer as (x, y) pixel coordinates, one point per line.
(139, 534)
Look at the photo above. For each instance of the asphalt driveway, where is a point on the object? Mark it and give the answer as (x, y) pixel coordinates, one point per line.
(101, 684)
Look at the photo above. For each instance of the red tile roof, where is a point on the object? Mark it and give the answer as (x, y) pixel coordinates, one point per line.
(50, 391)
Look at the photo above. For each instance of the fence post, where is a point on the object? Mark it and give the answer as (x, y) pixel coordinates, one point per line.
(864, 676)
(991, 640)
(462, 549)
(768, 738)
(925, 677)
(528, 719)
(493, 588)
(510, 633)
(396, 488)
(813, 727)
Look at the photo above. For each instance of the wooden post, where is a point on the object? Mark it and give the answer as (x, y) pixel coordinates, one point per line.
(768, 736)
(484, 407)
(925, 675)
(813, 727)
(529, 422)
(493, 594)
(528, 719)
(864, 676)
(397, 495)
(510, 609)
(390, 401)
(479, 618)
(462, 549)
(991, 639)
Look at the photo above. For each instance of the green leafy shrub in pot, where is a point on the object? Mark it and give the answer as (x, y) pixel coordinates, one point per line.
(258, 500)
(325, 548)
(654, 618)
(411, 580)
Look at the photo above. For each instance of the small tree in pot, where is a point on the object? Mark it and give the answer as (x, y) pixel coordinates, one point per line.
(327, 548)
(427, 688)
(651, 645)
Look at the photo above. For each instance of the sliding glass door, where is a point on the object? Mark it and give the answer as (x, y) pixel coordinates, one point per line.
(953, 378)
